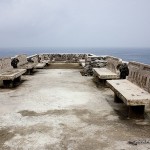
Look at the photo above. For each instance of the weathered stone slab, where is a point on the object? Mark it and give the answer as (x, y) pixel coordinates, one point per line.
(5, 65)
(12, 74)
(139, 74)
(24, 64)
(22, 59)
(28, 66)
(112, 63)
(8, 75)
(104, 73)
(36, 60)
(130, 93)
(40, 65)
(110, 71)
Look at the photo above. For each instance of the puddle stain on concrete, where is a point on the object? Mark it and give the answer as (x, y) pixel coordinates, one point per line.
(5, 135)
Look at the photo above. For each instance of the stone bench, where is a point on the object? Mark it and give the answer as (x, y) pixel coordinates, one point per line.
(25, 64)
(35, 58)
(8, 75)
(45, 58)
(109, 72)
(134, 91)
(82, 62)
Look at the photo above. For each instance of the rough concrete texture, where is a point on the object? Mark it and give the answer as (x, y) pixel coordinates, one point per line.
(58, 109)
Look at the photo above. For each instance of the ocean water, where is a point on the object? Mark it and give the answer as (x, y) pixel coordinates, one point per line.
(127, 54)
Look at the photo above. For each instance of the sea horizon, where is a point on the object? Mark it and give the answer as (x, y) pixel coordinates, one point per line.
(127, 54)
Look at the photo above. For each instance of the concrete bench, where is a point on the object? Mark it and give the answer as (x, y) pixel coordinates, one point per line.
(134, 91)
(24, 64)
(8, 75)
(35, 58)
(109, 72)
(82, 62)
(45, 58)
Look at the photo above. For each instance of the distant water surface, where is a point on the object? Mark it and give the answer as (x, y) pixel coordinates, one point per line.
(127, 54)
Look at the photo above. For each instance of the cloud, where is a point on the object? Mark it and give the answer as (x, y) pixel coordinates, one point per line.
(80, 23)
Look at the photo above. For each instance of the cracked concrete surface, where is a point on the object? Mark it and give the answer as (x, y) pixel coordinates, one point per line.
(58, 109)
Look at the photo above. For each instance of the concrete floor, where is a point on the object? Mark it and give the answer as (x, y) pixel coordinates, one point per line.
(58, 109)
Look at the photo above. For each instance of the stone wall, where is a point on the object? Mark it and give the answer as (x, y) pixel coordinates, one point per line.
(70, 58)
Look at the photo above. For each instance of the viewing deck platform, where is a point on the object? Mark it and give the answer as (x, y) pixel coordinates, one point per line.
(65, 106)
(59, 109)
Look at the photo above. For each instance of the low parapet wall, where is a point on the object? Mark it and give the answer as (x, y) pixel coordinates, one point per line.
(70, 58)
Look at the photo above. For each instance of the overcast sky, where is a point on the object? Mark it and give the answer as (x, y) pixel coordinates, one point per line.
(74, 23)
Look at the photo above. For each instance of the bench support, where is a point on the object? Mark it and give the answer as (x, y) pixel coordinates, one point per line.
(11, 83)
(102, 82)
(117, 99)
(136, 111)
(47, 64)
(98, 81)
(8, 83)
(17, 80)
(29, 71)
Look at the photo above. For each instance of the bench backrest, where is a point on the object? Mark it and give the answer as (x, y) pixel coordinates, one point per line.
(22, 59)
(139, 74)
(5, 65)
(112, 63)
(34, 58)
(45, 57)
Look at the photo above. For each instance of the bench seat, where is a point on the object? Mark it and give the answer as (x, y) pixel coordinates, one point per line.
(40, 65)
(104, 73)
(12, 74)
(46, 61)
(27, 66)
(131, 94)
